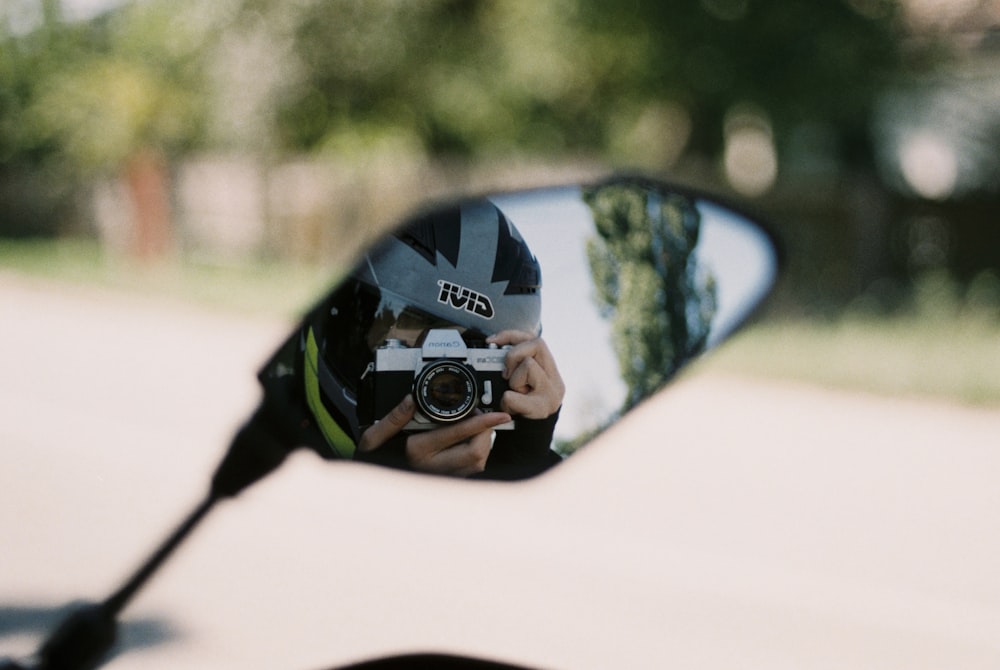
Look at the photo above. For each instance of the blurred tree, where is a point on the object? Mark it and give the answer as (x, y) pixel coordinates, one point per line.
(640, 78)
(115, 95)
(94, 90)
(35, 187)
(473, 77)
(658, 86)
(799, 61)
(445, 76)
(26, 59)
(133, 92)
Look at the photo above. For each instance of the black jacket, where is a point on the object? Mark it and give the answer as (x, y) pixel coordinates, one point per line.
(520, 453)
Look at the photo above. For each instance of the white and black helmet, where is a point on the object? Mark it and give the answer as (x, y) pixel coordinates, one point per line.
(465, 266)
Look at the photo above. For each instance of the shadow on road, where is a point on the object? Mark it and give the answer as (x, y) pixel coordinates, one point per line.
(40, 620)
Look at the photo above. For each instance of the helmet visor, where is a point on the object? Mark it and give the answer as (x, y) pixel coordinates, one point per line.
(359, 318)
(397, 320)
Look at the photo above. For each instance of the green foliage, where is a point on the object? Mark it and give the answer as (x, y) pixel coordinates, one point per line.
(459, 77)
(639, 81)
(647, 283)
(489, 78)
(106, 108)
(798, 60)
(90, 94)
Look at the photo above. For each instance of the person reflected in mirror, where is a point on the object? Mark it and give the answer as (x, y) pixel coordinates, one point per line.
(465, 448)
(454, 297)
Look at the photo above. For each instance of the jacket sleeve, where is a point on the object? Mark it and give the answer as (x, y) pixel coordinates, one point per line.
(517, 454)
(523, 452)
(392, 454)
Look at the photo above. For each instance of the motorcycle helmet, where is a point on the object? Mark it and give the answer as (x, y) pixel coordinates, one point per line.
(464, 267)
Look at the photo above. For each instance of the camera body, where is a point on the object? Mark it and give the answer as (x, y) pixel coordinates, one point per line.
(448, 379)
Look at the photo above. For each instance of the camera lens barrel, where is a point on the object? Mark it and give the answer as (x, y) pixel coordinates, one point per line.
(446, 391)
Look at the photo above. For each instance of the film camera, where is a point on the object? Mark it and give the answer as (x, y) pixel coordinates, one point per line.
(448, 379)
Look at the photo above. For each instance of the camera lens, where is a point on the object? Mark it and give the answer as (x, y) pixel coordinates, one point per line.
(445, 391)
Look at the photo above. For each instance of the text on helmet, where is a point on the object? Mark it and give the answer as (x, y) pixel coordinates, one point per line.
(460, 297)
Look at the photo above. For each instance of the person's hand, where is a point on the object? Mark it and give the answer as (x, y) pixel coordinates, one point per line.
(459, 449)
(536, 388)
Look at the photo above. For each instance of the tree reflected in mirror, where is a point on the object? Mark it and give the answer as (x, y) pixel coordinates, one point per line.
(648, 282)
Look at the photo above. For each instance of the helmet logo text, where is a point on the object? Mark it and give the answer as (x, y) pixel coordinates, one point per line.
(460, 297)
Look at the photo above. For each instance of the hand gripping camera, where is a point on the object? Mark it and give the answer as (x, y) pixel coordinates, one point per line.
(448, 380)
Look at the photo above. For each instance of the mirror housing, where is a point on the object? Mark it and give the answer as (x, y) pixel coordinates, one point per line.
(611, 288)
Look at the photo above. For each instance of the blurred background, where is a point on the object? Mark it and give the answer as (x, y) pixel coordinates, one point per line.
(237, 152)
(179, 178)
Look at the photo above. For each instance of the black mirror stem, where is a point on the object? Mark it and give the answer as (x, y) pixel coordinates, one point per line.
(83, 639)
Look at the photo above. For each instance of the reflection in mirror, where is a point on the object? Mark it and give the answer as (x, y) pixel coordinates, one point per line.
(490, 338)
(639, 279)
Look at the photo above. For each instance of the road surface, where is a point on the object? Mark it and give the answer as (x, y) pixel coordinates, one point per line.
(726, 523)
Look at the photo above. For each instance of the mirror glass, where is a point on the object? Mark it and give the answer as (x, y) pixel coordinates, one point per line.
(605, 291)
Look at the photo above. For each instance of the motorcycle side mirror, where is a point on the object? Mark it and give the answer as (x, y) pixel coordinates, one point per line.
(637, 279)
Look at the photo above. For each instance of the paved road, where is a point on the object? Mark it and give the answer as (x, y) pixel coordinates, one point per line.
(729, 523)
